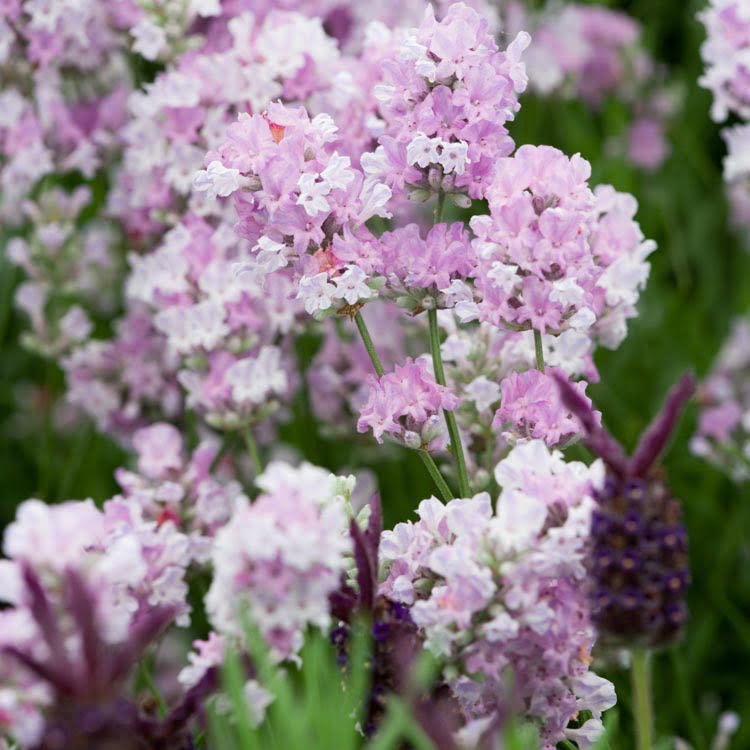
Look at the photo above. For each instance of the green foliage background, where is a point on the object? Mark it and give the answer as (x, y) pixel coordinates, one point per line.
(700, 280)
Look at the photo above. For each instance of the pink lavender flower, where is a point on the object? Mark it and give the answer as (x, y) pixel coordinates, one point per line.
(71, 272)
(478, 359)
(552, 254)
(723, 434)
(132, 563)
(405, 405)
(445, 99)
(298, 182)
(49, 122)
(227, 329)
(254, 59)
(493, 592)
(277, 561)
(301, 197)
(171, 486)
(531, 408)
(727, 73)
(127, 381)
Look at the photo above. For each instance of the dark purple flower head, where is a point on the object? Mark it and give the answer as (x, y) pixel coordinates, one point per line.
(638, 560)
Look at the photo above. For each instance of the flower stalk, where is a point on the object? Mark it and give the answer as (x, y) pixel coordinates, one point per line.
(642, 700)
(427, 459)
(539, 349)
(367, 341)
(450, 419)
(252, 449)
(437, 477)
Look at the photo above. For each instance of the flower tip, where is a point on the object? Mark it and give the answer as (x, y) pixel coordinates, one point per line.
(687, 385)
(655, 438)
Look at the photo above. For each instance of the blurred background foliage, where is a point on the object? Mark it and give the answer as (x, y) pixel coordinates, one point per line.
(700, 280)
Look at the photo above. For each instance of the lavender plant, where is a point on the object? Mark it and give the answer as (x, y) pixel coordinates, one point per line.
(324, 206)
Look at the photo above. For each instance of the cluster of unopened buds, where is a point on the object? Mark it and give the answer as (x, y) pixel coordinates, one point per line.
(267, 191)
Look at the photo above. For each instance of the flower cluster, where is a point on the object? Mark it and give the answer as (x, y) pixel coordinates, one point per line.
(724, 52)
(50, 122)
(723, 435)
(444, 101)
(277, 561)
(531, 408)
(727, 76)
(554, 255)
(221, 325)
(179, 117)
(483, 362)
(125, 382)
(405, 405)
(420, 273)
(69, 271)
(296, 195)
(501, 591)
(170, 486)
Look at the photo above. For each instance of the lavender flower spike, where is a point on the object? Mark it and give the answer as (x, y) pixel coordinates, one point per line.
(638, 560)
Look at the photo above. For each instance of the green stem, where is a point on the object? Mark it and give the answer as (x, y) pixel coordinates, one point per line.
(539, 347)
(439, 207)
(642, 709)
(450, 419)
(427, 459)
(367, 341)
(252, 449)
(442, 485)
